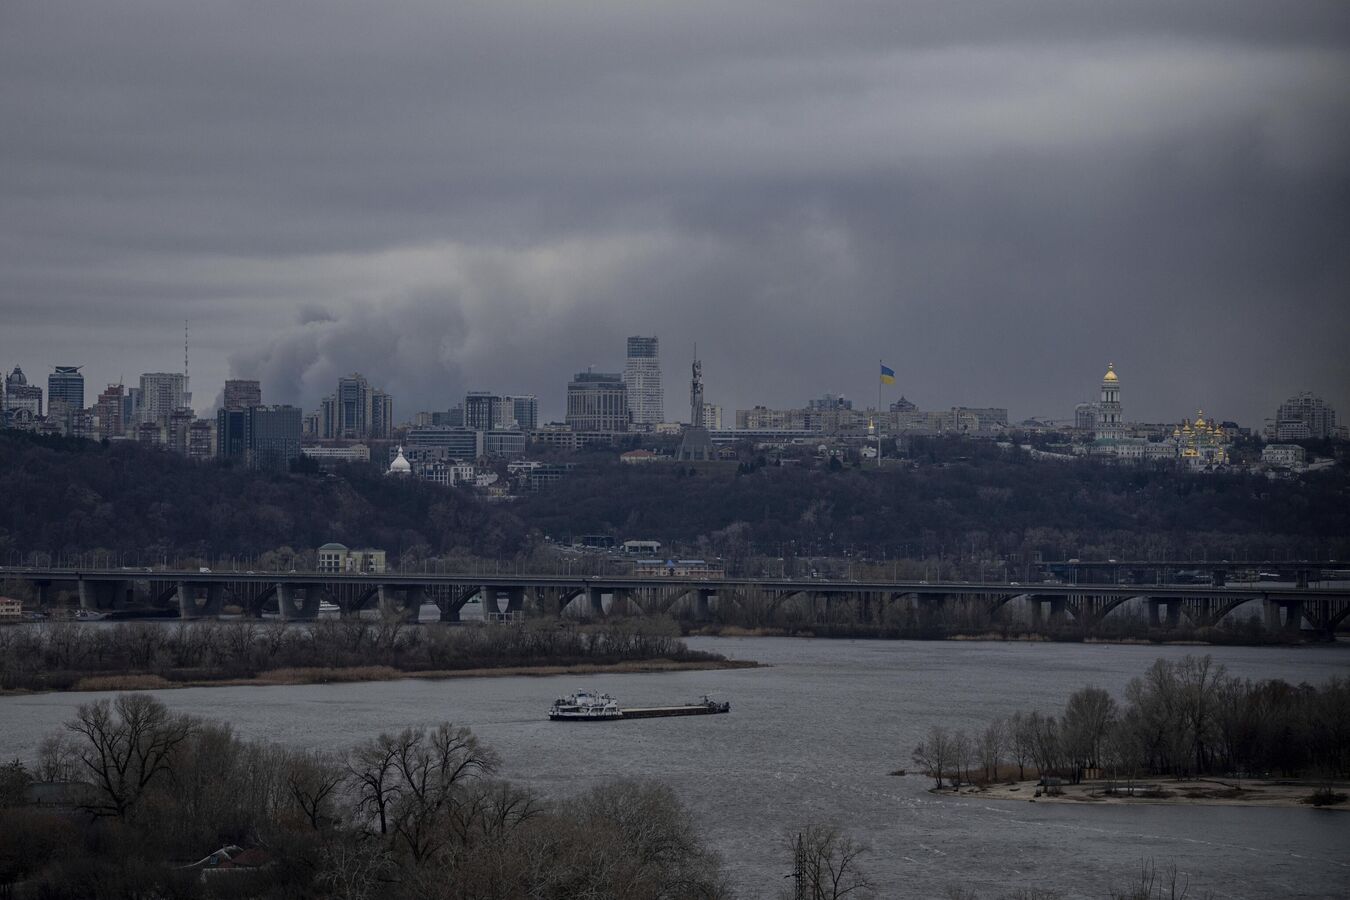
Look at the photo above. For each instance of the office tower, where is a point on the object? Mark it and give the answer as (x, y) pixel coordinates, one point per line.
(161, 393)
(597, 401)
(482, 410)
(67, 385)
(232, 434)
(525, 410)
(242, 393)
(273, 436)
(642, 376)
(109, 410)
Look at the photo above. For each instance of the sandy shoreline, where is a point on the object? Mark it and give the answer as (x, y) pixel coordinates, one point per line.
(358, 674)
(1165, 792)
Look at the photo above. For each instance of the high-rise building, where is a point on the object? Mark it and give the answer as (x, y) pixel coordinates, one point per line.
(356, 411)
(525, 410)
(381, 414)
(597, 401)
(642, 376)
(232, 434)
(1109, 422)
(1302, 417)
(201, 441)
(242, 393)
(66, 384)
(109, 410)
(161, 393)
(273, 436)
(483, 410)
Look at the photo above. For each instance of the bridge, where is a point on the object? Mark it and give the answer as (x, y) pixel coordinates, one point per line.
(298, 595)
(1301, 572)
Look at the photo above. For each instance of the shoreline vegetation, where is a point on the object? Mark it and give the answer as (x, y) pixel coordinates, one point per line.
(1187, 732)
(1169, 792)
(205, 653)
(359, 674)
(1206, 637)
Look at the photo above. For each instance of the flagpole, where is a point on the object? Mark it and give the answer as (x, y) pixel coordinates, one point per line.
(878, 426)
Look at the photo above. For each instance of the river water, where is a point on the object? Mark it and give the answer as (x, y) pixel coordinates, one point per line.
(810, 739)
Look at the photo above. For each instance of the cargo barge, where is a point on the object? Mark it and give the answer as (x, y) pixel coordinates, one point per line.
(584, 706)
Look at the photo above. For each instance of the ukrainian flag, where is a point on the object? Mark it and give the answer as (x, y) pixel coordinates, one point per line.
(887, 374)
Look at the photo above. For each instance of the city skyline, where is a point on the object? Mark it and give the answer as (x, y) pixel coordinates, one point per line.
(966, 191)
(404, 412)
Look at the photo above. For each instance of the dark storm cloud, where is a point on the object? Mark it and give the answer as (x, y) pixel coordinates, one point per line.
(997, 198)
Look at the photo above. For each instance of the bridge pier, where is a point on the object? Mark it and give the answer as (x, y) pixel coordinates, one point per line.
(189, 604)
(99, 595)
(293, 608)
(1155, 614)
(1058, 605)
(403, 602)
(1292, 619)
(595, 602)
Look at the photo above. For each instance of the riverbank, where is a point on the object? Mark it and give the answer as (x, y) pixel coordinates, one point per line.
(356, 674)
(1166, 792)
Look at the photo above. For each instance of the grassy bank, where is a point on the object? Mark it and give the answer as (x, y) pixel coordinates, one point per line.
(351, 674)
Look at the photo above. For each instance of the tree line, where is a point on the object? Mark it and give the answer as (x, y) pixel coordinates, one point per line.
(956, 501)
(59, 655)
(1185, 718)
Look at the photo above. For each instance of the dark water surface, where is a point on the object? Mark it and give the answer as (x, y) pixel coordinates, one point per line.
(811, 738)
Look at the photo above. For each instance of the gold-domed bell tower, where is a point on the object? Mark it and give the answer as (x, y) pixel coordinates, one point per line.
(1109, 422)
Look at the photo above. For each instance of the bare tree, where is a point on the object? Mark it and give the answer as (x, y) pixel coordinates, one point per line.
(1021, 740)
(825, 865)
(963, 751)
(993, 741)
(312, 780)
(935, 754)
(1088, 717)
(429, 768)
(127, 743)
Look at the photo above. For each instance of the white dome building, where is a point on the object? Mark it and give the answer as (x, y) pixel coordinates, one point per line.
(400, 465)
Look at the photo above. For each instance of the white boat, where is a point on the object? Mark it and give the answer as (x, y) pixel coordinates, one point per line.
(584, 706)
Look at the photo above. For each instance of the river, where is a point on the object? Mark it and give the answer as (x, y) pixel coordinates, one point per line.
(810, 739)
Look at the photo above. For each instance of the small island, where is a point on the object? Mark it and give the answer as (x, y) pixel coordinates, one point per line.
(1187, 733)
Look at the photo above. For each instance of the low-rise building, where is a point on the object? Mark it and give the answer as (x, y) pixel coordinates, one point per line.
(678, 568)
(635, 457)
(1285, 456)
(337, 558)
(10, 609)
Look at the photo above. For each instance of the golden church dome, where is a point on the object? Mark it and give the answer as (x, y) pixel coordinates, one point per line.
(1110, 373)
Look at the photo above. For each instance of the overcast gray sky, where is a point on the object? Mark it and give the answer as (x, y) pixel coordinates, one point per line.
(996, 198)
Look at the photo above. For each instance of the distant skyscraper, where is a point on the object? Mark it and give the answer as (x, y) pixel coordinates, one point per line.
(161, 393)
(483, 410)
(597, 401)
(356, 411)
(525, 410)
(109, 410)
(1301, 417)
(232, 434)
(273, 436)
(642, 376)
(1109, 422)
(67, 385)
(242, 393)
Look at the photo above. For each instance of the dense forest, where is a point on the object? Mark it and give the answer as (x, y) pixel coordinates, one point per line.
(953, 499)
